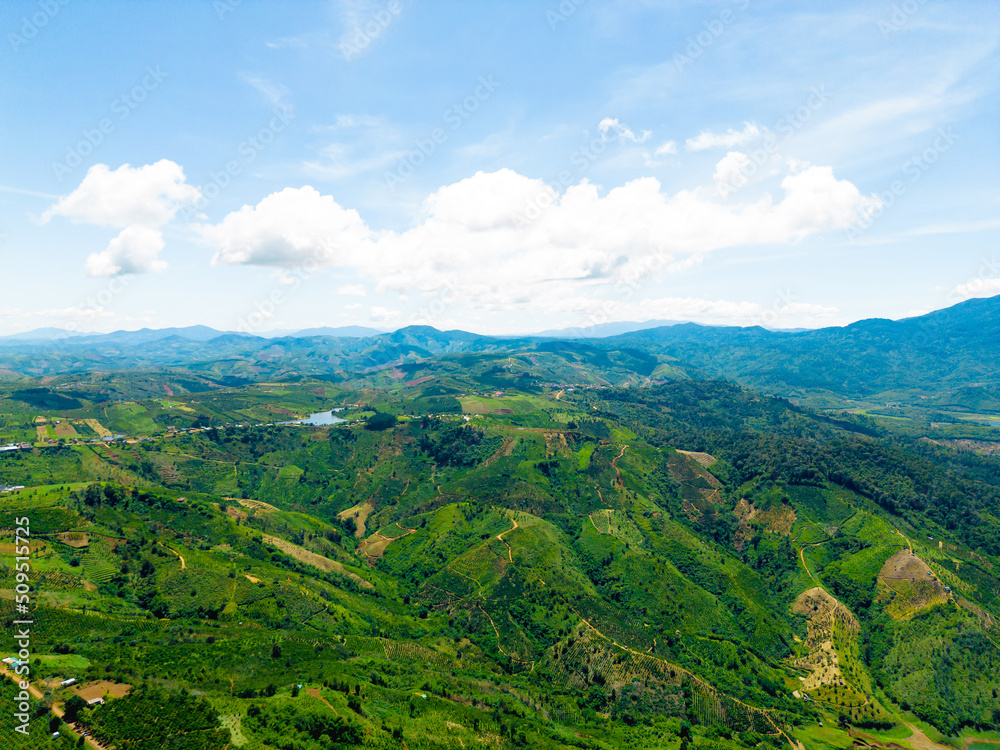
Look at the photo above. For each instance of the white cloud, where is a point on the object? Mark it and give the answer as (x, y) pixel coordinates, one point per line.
(352, 290)
(147, 196)
(623, 132)
(384, 315)
(729, 170)
(501, 241)
(978, 288)
(135, 250)
(670, 147)
(296, 226)
(730, 138)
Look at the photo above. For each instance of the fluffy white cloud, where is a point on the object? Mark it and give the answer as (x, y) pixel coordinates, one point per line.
(140, 199)
(384, 315)
(295, 227)
(730, 138)
(500, 240)
(978, 288)
(729, 170)
(623, 132)
(135, 250)
(670, 147)
(147, 196)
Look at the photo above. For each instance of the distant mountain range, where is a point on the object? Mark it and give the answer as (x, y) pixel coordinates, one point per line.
(205, 333)
(915, 359)
(190, 333)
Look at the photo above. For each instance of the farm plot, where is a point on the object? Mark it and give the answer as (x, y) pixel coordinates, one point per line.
(374, 546)
(99, 429)
(311, 558)
(64, 429)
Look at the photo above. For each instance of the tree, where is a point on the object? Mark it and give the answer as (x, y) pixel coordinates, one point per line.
(71, 710)
(380, 421)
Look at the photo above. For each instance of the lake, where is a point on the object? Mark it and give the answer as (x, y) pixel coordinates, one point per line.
(319, 418)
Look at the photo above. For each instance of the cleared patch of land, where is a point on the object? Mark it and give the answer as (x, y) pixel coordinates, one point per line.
(65, 430)
(703, 458)
(102, 689)
(909, 585)
(97, 427)
(317, 561)
(359, 513)
(255, 504)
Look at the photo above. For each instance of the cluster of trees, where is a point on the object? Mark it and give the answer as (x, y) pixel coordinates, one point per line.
(291, 726)
(454, 446)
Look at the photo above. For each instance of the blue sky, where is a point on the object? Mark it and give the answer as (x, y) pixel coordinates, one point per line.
(500, 167)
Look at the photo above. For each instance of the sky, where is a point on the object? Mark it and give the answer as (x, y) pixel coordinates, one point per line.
(501, 167)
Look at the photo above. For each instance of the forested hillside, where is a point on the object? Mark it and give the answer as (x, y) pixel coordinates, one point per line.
(476, 557)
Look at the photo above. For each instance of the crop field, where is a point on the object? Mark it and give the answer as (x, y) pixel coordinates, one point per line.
(99, 429)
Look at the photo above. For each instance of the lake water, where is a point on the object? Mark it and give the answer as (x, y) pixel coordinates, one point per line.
(319, 418)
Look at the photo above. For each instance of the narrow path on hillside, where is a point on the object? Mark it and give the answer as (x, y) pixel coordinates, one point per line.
(315, 693)
(499, 647)
(183, 564)
(802, 557)
(905, 539)
(614, 465)
(510, 555)
(601, 496)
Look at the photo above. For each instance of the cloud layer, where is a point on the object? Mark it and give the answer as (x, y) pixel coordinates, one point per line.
(511, 241)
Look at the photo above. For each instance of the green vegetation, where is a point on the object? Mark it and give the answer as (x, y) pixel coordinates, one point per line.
(686, 564)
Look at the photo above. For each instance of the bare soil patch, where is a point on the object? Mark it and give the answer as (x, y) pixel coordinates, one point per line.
(102, 689)
(359, 513)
